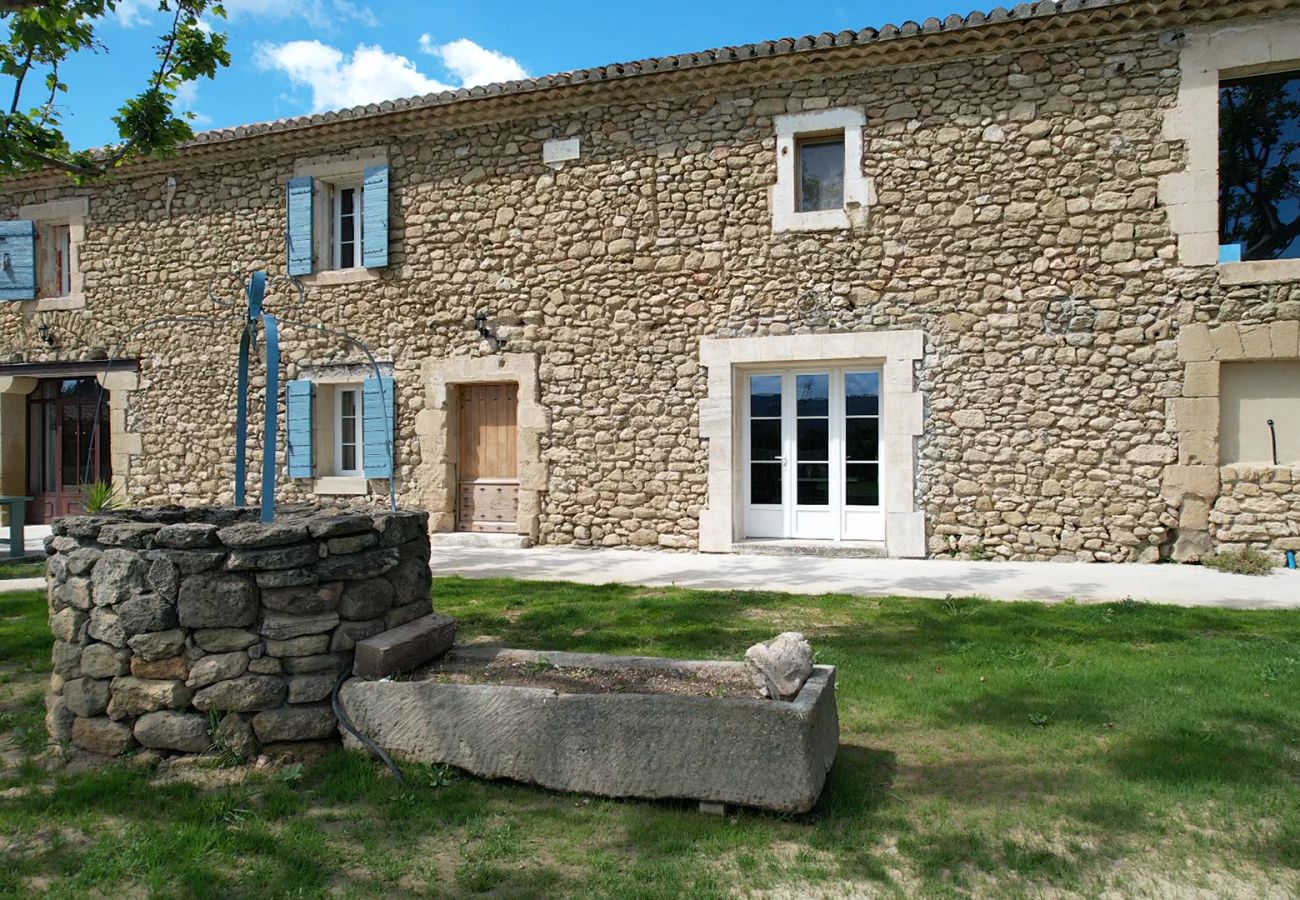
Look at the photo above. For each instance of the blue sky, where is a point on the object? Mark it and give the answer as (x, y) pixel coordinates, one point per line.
(299, 56)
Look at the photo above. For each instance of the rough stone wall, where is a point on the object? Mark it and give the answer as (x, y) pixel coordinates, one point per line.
(1016, 224)
(181, 631)
(1257, 508)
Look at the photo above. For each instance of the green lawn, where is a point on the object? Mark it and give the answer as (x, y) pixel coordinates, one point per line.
(986, 749)
(27, 567)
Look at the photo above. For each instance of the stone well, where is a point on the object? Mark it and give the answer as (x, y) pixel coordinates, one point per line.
(185, 630)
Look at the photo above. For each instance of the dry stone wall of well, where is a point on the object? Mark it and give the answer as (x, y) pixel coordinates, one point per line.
(1015, 223)
(185, 631)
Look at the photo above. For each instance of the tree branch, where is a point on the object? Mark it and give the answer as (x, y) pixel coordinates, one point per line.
(54, 92)
(171, 46)
(63, 164)
(18, 82)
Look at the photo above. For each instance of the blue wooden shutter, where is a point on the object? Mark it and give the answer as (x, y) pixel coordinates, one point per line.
(18, 260)
(299, 422)
(374, 231)
(298, 231)
(377, 413)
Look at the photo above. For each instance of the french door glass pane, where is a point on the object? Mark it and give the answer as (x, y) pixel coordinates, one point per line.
(813, 439)
(765, 483)
(861, 439)
(71, 449)
(814, 484)
(765, 396)
(765, 439)
(862, 393)
(51, 448)
(812, 393)
(862, 484)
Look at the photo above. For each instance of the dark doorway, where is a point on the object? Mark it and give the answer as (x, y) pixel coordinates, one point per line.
(65, 449)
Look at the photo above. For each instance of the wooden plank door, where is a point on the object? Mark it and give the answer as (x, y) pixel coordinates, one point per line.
(488, 492)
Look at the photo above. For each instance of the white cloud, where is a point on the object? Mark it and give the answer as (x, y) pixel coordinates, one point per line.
(131, 13)
(338, 80)
(371, 74)
(471, 64)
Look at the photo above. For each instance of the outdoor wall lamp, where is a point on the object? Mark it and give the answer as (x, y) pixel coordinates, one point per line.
(488, 334)
(46, 333)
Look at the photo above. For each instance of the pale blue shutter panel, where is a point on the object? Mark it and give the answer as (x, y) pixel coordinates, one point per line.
(297, 231)
(374, 230)
(377, 414)
(299, 397)
(18, 260)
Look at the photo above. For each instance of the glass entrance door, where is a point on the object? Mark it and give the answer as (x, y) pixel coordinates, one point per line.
(812, 454)
(67, 445)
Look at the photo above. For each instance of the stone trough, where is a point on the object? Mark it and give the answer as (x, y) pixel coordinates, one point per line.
(714, 749)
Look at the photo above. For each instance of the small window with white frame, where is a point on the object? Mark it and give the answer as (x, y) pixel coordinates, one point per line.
(337, 206)
(820, 161)
(820, 181)
(59, 229)
(62, 238)
(347, 430)
(346, 225)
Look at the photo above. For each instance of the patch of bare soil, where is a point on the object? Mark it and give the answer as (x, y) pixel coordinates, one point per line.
(593, 681)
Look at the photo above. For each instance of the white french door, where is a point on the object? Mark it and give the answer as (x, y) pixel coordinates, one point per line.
(812, 454)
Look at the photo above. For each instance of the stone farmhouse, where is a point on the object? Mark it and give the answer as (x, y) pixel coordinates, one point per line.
(1014, 284)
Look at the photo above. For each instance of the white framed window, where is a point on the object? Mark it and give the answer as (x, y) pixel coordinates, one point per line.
(61, 239)
(819, 185)
(347, 430)
(820, 163)
(1235, 90)
(60, 229)
(343, 217)
(346, 225)
(1259, 158)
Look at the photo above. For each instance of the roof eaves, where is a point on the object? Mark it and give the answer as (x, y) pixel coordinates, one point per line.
(678, 62)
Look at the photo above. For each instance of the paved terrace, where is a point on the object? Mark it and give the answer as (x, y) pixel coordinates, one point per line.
(1048, 581)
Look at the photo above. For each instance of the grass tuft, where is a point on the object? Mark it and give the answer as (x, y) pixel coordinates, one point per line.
(27, 567)
(1239, 562)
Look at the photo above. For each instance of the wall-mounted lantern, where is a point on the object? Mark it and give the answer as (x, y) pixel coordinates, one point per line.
(488, 334)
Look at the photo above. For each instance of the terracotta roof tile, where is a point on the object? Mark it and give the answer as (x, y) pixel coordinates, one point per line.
(632, 69)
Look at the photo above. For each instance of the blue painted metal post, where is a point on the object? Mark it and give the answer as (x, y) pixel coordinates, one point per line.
(272, 336)
(256, 291)
(241, 417)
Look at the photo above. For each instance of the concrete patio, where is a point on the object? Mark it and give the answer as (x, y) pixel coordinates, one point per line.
(1046, 581)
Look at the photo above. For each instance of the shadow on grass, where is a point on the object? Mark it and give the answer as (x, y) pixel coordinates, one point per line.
(1247, 747)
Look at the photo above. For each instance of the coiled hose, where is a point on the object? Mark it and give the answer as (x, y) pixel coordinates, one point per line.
(347, 723)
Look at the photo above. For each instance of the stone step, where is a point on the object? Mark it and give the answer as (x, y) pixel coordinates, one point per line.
(822, 549)
(479, 539)
(403, 648)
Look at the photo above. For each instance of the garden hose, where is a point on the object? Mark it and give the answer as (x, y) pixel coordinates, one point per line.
(347, 723)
